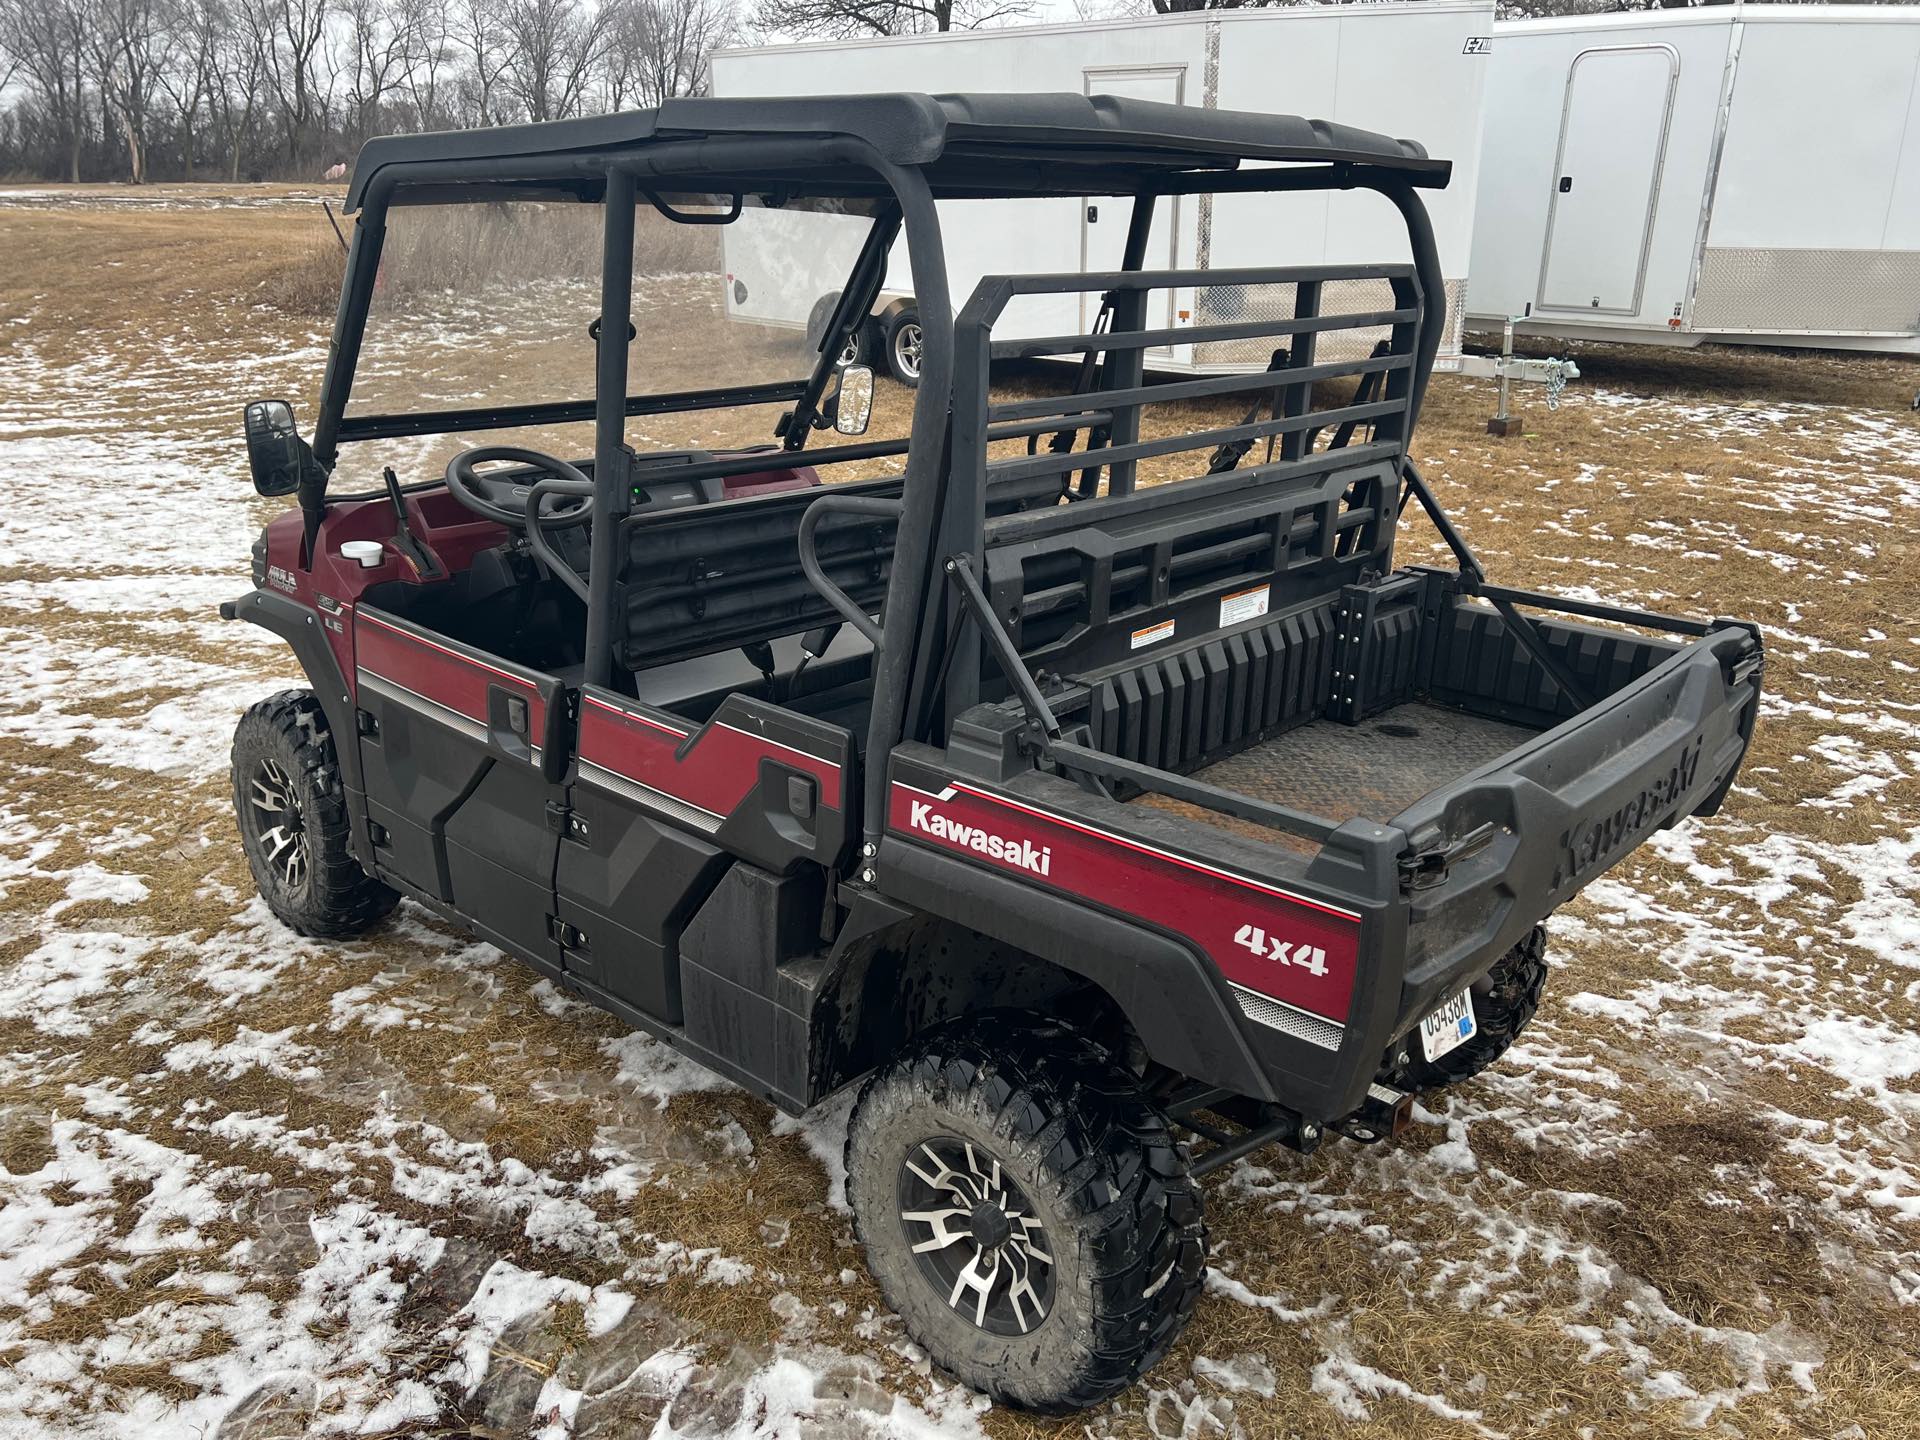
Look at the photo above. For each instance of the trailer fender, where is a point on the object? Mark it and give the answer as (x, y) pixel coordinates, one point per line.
(300, 626)
(1173, 998)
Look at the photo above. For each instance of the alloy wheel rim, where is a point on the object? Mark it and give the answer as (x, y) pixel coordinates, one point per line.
(908, 341)
(850, 352)
(975, 1237)
(273, 807)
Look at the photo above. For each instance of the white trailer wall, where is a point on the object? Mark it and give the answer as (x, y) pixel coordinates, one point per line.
(1815, 223)
(1413, 70)
(1785, 184)
(1520, 159)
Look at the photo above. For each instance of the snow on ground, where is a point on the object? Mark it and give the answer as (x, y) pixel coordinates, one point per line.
(252, 1185)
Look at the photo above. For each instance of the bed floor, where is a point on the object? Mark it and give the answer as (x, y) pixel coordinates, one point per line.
(1372, 770)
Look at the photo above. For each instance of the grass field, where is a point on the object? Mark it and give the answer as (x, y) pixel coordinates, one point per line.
(254, 1186)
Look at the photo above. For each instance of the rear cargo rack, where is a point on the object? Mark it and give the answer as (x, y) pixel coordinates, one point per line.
(1314, 511)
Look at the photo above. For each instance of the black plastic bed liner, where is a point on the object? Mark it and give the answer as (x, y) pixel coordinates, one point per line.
(1372, 770)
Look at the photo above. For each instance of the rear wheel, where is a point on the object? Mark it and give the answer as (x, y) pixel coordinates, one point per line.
(1515, 985)
(1025, 1210)
(905, 343)
(292, 813)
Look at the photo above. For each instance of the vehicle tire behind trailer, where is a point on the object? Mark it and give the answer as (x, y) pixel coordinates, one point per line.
(903, 342)
(860, 344)
(1516, 982)
(1025, 1210)
(292, 813)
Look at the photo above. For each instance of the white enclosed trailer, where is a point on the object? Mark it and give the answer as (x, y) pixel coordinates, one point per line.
(1736, 174)
(1414, 71)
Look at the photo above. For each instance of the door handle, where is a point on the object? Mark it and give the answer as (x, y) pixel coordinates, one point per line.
(509, 722)
(1566, 184)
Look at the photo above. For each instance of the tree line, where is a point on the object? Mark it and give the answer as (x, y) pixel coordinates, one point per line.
(252, 89)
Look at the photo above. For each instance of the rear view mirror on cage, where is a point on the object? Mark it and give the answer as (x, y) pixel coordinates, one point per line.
(276, 454)
(853, 403)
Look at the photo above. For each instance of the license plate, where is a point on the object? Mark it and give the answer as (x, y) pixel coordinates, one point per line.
(1451, 1024)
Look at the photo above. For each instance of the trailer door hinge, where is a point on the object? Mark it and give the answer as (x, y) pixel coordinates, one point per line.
(1425, 866)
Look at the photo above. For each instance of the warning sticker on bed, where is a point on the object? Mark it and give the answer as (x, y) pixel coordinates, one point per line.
(1152, 635)
(1244, 605)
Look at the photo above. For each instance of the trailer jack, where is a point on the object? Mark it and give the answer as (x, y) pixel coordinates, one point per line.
(1506, 367)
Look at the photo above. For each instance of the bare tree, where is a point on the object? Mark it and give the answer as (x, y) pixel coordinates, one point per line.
(49, 39)
(658, 49)
(195, 26)
(239, 76)
(379, 37)
(842, 19)
(477, 29)
(428, 56)
(130, 49)
(556, 45)
(294, 30)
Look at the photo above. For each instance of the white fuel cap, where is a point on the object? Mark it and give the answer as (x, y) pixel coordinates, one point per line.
(366, 553)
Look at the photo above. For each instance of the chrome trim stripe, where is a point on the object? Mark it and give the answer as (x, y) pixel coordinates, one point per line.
(413, 700)
(630, 789)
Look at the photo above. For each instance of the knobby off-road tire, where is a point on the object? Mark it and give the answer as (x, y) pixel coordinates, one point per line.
(1517, 979)
(1035, 1158)
(292, 813)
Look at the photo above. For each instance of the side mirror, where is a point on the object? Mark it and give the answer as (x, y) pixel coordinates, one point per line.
(276, 454)
(853, 401)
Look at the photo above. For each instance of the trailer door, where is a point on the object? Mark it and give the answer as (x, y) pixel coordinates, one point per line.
(1103, 222)
(1606, 181)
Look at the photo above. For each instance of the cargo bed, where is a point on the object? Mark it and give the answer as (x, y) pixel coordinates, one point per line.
(1371, 771)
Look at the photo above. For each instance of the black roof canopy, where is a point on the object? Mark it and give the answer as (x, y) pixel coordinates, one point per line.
(1010, 144)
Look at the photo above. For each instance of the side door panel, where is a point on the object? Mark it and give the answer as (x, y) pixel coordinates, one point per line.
(661, 807)
(458, 751)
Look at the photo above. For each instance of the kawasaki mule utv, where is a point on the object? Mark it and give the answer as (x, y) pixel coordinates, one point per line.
(1083, 777)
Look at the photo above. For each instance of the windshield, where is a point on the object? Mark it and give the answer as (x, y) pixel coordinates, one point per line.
(484, 305)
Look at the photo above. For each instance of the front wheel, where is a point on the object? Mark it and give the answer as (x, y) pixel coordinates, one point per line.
(1025, 1210)
(292, 812)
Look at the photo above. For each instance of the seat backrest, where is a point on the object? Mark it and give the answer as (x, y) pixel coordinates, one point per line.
(710, 577)
(702, 578)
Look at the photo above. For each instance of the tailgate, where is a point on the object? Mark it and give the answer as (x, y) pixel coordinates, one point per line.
(1529, 831)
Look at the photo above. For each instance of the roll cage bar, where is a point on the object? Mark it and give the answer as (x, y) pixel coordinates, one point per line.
(939, 514)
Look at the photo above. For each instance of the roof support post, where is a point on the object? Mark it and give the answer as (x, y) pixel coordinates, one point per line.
(611, 481)
(1125, 369)
(922, 488)
(349, 326)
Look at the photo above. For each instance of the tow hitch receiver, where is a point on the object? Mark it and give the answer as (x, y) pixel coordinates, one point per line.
(1385, 1115)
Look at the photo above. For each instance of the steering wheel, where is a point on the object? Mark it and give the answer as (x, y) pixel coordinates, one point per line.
(503, 497)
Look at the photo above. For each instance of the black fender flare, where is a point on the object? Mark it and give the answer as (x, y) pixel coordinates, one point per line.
(300, 626)
(1176, 1001)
